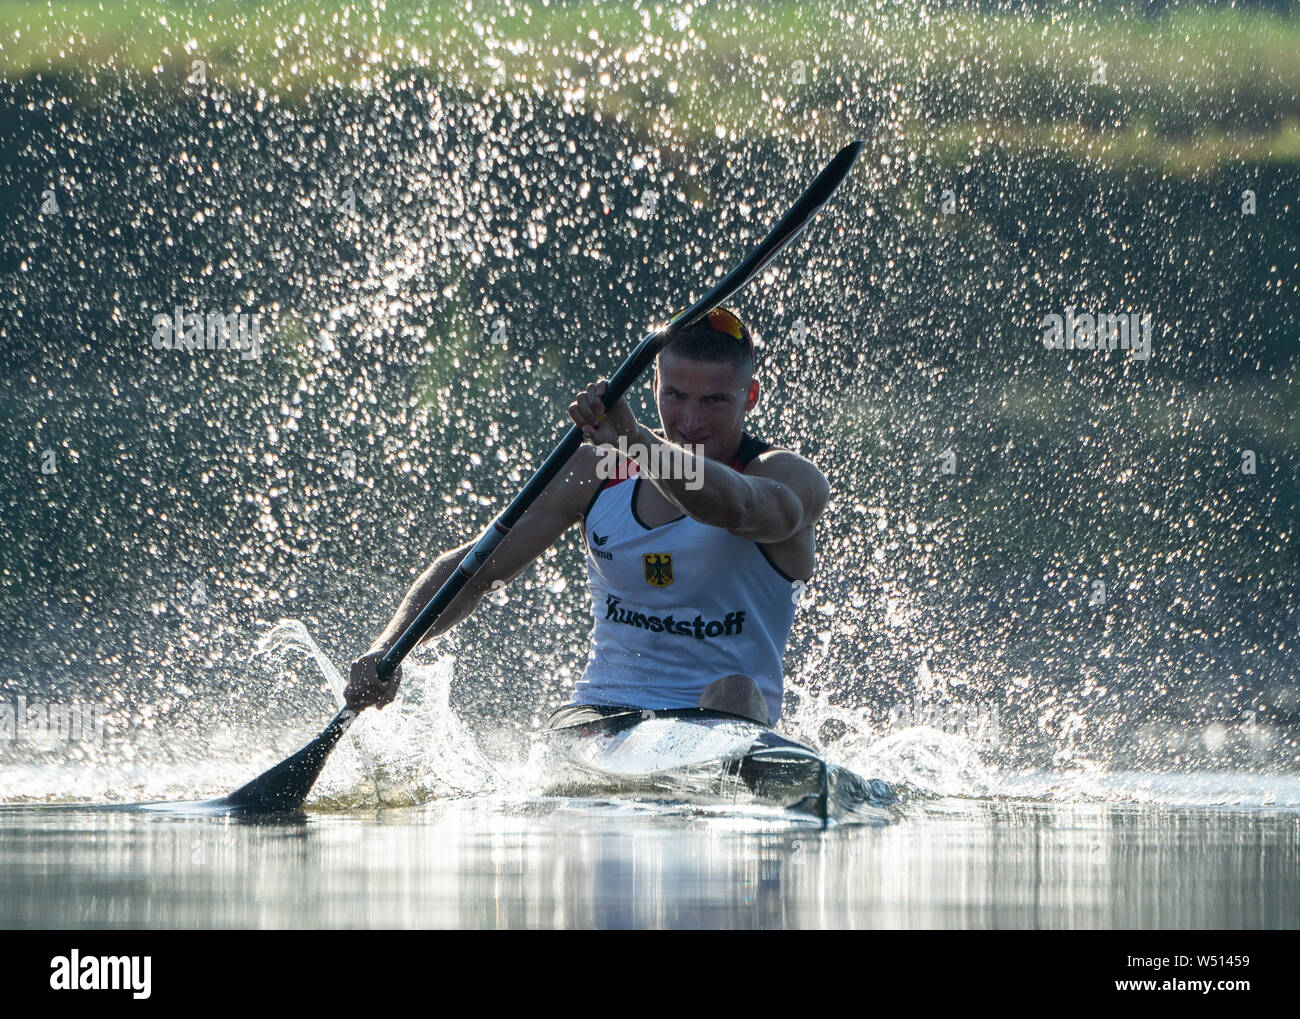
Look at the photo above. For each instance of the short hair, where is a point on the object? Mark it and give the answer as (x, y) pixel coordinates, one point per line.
(704, 342)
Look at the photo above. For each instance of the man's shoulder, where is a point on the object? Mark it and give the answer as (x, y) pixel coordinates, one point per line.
(583, 462)
(796, 472)
(773, 461)
(580, 477)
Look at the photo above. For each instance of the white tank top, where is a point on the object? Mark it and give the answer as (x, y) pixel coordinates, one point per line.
(679, 605)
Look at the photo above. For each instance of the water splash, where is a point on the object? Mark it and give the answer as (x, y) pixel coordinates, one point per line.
(411, 752)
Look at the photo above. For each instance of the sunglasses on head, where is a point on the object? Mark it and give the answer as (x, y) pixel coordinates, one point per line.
(723, 321)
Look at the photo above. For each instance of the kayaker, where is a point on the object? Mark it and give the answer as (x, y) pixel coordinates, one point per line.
(695, 551)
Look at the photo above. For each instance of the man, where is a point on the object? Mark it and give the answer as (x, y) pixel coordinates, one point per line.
(692, 572)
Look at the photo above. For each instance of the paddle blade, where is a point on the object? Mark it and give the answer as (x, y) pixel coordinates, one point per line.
(286, 786)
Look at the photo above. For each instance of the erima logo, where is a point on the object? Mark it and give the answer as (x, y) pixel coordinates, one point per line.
(101, 973)
(597, 540)
(698, 627)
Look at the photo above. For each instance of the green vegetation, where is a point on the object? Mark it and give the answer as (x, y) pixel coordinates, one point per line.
(1182, 93)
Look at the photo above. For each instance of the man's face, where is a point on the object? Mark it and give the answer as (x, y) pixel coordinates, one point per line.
(703, 403)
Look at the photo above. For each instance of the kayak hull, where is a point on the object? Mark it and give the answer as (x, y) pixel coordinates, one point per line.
(701, 755)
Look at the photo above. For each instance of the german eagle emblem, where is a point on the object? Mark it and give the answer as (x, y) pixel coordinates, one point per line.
(658, 568)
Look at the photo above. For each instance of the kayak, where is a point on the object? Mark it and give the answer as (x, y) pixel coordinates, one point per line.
(700, 755)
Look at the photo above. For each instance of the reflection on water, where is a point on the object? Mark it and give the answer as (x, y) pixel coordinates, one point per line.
(550, 863)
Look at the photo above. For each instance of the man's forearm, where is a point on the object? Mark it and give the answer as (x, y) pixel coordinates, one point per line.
(706, 490)
(420, 594)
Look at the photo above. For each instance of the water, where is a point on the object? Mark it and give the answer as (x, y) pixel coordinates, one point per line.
(497, 863)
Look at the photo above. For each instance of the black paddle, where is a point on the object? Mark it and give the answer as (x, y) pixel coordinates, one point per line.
(286, 785)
